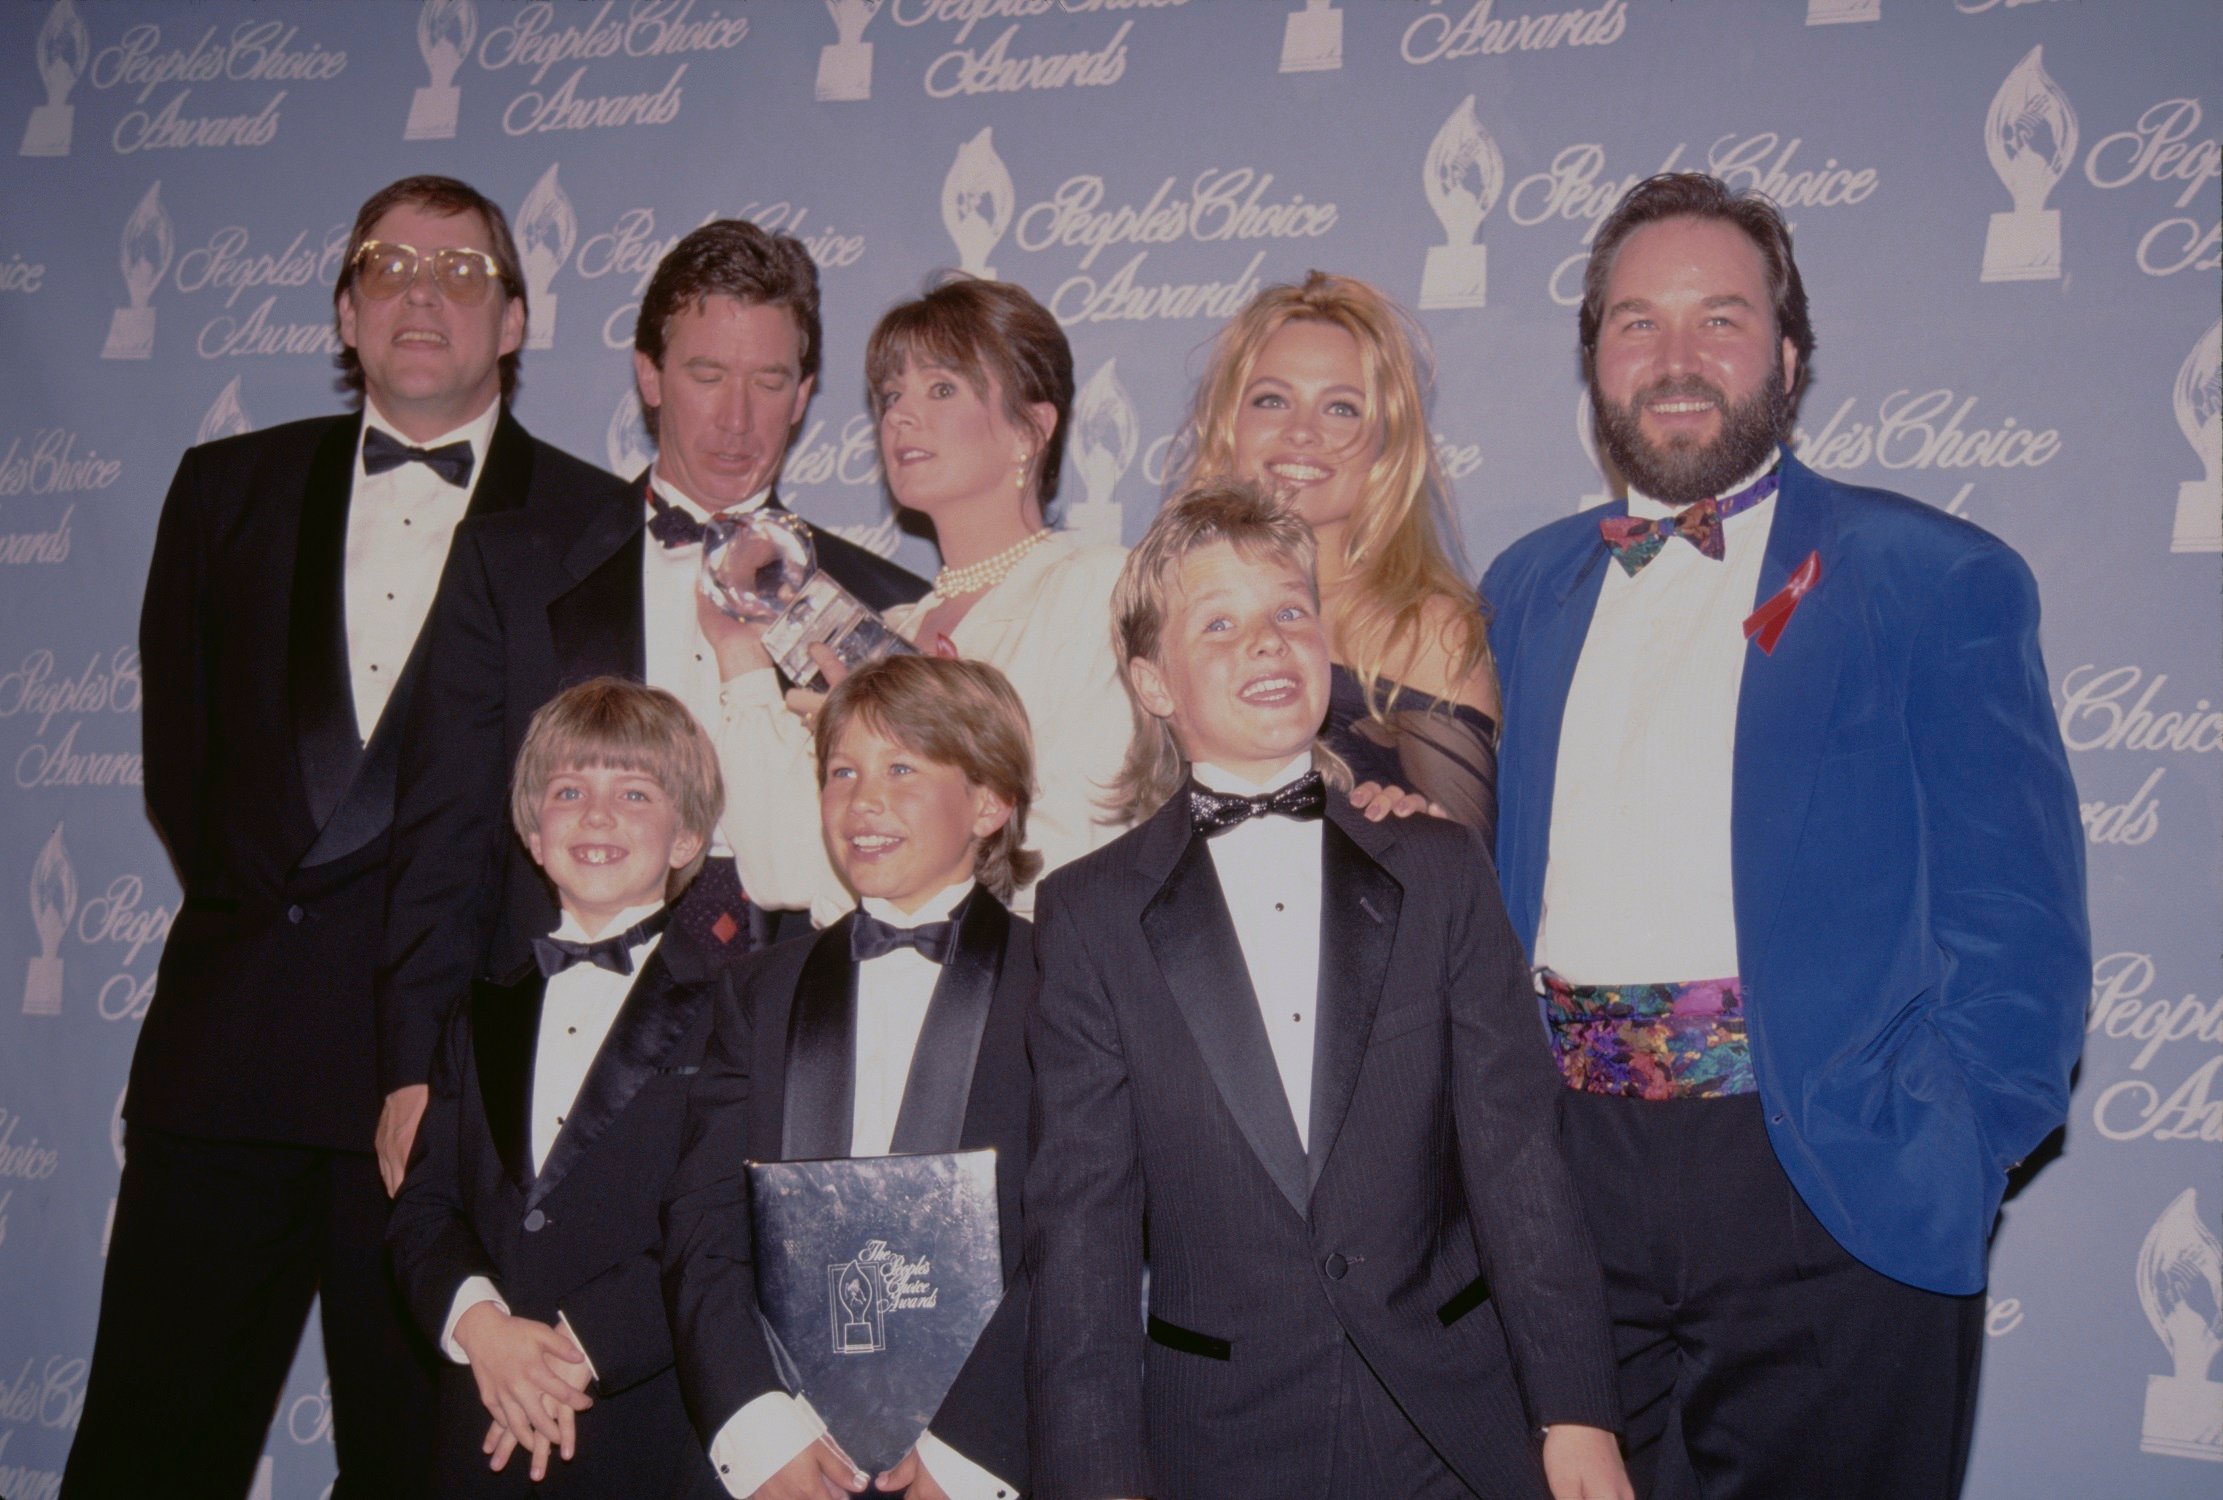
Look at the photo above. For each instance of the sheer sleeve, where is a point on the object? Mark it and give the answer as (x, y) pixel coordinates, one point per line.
(1448, 755)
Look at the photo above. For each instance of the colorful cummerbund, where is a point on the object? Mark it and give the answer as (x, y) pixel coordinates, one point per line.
(1650, 1041)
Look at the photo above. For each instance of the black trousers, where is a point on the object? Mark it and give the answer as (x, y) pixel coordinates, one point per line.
(217, 1250)
(1758, 1359)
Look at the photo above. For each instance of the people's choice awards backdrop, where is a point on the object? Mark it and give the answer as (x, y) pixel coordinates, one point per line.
(2007, 215)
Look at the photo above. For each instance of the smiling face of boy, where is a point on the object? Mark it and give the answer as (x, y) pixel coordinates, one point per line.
(1242, 668)
(609, 839)
(899, 826)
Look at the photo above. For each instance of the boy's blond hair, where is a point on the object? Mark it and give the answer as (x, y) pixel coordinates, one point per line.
(612, 723)
(963, 714)
(1207, 511)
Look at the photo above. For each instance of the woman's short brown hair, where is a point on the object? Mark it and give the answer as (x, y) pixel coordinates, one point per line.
(613, 723)
(446, 197)
(981, 329)
(963, 714)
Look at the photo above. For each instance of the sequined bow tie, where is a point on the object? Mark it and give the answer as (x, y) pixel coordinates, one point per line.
(869, 937)
(1213, 813)
(555, 954)
(1635, 542)
(671, 526)
(383, 451)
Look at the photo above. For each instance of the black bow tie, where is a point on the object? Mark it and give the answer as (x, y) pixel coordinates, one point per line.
(555, 954)
(1213, 813)
(869, 937)
(671, 526)
(383, 451)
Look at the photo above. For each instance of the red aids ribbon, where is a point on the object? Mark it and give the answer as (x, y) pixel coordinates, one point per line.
(1764, 626)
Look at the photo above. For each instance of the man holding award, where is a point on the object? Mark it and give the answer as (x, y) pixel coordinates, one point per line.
(899, 1029)
(726, 354)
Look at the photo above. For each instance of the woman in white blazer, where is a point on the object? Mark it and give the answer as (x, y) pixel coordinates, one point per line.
(973, 387)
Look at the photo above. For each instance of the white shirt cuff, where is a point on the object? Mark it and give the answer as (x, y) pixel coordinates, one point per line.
(958, 1475)
(577, 1343)
(475, 1289)
(759, 687)
(761, 1439)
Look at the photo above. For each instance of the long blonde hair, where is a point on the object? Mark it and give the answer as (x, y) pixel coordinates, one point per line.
(1400, 546)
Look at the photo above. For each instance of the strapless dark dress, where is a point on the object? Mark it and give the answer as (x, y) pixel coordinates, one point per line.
(1447, 752)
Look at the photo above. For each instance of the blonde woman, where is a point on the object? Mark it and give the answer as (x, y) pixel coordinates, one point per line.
(1317, 391)
(973, 385)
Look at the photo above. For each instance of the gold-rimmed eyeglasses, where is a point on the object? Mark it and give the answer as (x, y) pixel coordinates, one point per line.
(386, 269)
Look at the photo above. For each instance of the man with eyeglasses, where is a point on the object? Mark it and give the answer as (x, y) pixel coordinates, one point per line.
(293, 572)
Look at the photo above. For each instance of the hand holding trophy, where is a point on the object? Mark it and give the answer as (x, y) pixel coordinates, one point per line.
(762, 568)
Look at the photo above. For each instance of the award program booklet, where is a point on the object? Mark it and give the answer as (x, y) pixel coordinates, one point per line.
(875, 1276)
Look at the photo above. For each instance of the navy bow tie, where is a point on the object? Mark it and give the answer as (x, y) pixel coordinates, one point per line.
(1213, 813)
(555, 954)
(671, 526)
(869, 937)
(383, 451)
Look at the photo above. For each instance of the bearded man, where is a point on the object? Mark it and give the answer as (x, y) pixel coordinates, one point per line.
(1789, 832)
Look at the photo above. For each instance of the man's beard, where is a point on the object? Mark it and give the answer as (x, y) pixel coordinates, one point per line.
(1683, 471)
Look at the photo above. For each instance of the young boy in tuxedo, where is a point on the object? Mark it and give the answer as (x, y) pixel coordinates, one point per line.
(1303, 1048)
(525, 1234)
(899, 1028)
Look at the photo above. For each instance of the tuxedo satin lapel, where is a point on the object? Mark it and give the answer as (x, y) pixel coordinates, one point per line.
(940, 1082)
(596, 625)
(318, 684)
(1784, 705)
(505, 1035)
(658, 1011)
(819, 1112)
(1359, 904)
(1193, 938)
(506, 476)
(1550, 643)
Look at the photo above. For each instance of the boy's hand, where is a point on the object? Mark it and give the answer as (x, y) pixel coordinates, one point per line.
(1379, 802)
(739, 646)
(819, 1472)
(520, 1367)
(1584, 1463)
(398, 1119)
(911, 1476)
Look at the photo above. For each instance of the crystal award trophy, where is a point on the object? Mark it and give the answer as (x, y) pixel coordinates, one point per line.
(762, 568)
(876, 1276)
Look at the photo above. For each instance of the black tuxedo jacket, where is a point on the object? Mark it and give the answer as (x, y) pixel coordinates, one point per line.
(1432, 1223)
(780, 1067)
(578, 1237)
(530, 605)
(275, 809)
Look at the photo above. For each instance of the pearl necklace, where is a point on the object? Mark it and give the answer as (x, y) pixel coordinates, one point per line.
(956, 583)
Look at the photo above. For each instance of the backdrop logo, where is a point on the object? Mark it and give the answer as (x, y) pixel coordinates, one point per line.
(20, 275)
(2180, 1285)
(852, 458)
(1841, 12)
(2136, 1108)
(625, 442)
(2160, 148)
(48, 463)
(230, 264)
(148, 244)
(1438, 37)
(446, 30)
(2198, 399)
(53, 908)
(1105, 437)
(648, 29)
(547, 228)
(1937, 429)
(254, 52)
(994, 69)
(45, 1393)
(2098, 712)
(2030, 136)
(37, 690)
(60, 53)
(632, 247)
(1312, 39)
(845, 65)
(225, 416)
(1462, 175)
(977, 199)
